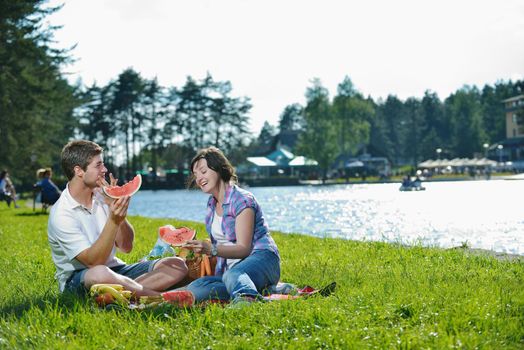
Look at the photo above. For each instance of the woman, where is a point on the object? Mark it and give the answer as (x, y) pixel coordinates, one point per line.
(248, 260)
(50, 191)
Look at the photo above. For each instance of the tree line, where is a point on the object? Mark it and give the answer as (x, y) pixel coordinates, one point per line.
(143, 124)
(405, 132)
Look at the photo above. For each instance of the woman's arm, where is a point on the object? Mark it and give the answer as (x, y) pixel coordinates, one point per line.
(245, 230)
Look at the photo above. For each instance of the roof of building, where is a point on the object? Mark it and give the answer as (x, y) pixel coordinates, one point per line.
(302, 161)
(514, 98)
(281, 156)
(513, 141)
(261, 161)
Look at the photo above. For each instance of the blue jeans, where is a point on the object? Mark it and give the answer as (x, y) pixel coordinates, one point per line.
(248, 277)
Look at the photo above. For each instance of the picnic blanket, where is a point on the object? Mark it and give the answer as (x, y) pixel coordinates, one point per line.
(109, 296)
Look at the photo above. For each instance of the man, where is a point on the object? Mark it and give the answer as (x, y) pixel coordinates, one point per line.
(85, 228)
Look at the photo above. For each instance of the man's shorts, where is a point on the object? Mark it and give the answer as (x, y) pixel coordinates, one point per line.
(75, 283)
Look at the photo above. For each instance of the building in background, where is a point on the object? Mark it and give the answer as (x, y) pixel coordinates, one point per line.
(509, 153)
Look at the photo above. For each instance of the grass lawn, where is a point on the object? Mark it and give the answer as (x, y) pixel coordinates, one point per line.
(388, 296)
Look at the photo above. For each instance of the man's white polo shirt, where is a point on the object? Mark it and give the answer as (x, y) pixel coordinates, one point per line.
(72, 228)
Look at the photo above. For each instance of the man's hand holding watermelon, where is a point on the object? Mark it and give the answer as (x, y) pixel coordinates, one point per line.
(117, 206)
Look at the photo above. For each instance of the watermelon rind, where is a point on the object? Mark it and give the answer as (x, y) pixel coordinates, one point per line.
(127, 189)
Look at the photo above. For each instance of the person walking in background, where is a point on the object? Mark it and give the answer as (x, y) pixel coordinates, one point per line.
(7, 189)
(248, 260)
(50, 192)
(86, 228)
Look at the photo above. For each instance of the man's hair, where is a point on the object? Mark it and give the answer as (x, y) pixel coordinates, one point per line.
(78, 152)
(217, 161)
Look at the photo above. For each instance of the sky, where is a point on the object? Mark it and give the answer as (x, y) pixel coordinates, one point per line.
(270, 50)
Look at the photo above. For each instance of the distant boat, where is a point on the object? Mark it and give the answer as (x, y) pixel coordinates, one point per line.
(412, 188)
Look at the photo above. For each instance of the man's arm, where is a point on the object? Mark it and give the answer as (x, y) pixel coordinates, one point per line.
(98, 253)
(125, 237)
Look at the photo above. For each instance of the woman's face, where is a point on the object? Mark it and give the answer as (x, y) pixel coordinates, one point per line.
(207, 179)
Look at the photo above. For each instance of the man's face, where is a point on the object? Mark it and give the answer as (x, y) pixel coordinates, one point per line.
(95, 170)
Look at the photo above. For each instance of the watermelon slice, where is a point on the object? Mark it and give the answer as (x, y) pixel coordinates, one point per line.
(180, 298)
(127, 189)
(176, 236)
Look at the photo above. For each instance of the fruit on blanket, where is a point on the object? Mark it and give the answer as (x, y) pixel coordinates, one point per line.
(127, 189)
(118, 287)
(127, 294)
(180, 298)
(151, 299)
(176, 236)
(99, 289)
(104, 299)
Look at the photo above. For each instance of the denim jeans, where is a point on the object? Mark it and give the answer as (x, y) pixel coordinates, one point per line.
(248, 277)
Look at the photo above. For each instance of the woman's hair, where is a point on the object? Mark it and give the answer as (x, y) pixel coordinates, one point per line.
(3, 174)
(217, 161)
(78, 152)
(40, 173)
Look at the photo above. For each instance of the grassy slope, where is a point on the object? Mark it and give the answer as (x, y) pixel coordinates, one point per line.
(388, 296)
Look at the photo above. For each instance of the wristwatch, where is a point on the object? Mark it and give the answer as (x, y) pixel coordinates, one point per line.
(214, 249)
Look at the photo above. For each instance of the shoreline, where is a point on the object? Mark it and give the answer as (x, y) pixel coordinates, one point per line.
(501, 256)
(508, 257)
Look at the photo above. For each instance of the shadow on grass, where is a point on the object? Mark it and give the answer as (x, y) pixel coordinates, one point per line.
(34, 213)
(70, 305)
(66, 303)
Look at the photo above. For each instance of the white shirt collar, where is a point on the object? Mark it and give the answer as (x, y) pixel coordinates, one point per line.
(97, 200)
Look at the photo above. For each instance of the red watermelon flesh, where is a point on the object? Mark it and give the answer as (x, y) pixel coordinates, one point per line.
(176, 236)
(127, 189)
(180, 298)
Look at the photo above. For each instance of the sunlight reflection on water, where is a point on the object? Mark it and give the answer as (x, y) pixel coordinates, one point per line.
(485, 214)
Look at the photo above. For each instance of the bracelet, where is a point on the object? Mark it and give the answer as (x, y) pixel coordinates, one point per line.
(214, 249)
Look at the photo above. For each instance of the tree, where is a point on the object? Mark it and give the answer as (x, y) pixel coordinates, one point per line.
(292, 118)
(229, 115)
(94, 115)
(36, 102)
(154, 114)
(265, 141)
(464, 110)
(351, 114)
(393, 115)
(436, 128)
(206, 114)
(414, 129)
(318, 141)
(124, 108)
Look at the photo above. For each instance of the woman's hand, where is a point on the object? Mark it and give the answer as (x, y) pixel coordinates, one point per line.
(198, 246)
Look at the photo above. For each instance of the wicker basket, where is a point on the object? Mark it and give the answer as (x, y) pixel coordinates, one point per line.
(196, 267)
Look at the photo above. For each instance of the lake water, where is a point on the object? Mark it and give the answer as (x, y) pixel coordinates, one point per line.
(485, 214)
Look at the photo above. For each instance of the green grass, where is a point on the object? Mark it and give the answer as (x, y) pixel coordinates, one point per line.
(388, 296)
